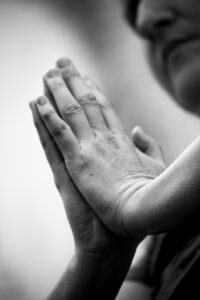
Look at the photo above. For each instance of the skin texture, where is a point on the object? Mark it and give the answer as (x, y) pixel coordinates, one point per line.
(97, 248)
(108, 181)
(124, 190)
(121, 184)
(118, 181)
(161, 22)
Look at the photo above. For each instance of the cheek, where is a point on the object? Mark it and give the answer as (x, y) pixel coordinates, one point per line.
(182, 83)
(158, 69)
(186, 86)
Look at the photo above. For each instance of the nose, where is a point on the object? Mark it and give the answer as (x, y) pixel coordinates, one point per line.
(152, 22)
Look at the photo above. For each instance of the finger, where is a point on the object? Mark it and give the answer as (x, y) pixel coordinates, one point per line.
(49, 95)
(59, 130)
(147, 144)
(70, 110)
(111, 119)
(82, 93)
(52, 152)
(63, 181)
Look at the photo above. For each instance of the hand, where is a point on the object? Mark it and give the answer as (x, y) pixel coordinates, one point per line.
(143, 265)
(99, 156)
(105, 255)
(149, 151)
(90, 235)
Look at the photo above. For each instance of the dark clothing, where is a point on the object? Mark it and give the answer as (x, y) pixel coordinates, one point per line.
(177, 269)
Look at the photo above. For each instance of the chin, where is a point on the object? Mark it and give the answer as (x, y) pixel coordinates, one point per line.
(186, 88)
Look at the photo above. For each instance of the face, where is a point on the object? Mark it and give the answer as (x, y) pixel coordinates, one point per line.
(171, 29)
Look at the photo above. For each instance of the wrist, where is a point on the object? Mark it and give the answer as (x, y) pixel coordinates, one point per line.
(103, 273)
(95, 275)
(121, 251)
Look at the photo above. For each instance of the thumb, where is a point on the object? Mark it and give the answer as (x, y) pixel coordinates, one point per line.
(147, 144)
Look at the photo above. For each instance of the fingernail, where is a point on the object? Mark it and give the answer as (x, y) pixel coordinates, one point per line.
(64, 62)
(53, 73)
(41, 100)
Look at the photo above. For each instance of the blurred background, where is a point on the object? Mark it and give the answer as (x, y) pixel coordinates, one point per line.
(35, 239)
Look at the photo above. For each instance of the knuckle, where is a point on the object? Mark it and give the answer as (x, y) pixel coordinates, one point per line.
(104, 103)
(71, 110)
(46, 141)
(85, 160)
(48, 115)
(88, 99)
(58, 131)
(82, 163)
(113, 139)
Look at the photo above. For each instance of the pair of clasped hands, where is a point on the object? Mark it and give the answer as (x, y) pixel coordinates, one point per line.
(98, 170)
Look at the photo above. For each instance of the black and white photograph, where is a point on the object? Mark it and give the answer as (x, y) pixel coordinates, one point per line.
(100, 149)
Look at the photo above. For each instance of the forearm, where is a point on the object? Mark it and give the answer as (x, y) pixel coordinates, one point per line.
(92, 278)
(140, 280)
(171, 198)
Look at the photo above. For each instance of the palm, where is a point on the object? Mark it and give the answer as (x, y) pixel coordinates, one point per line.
(89, 232)
(156, 166)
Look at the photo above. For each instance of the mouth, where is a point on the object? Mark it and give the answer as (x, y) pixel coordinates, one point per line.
(174, 45)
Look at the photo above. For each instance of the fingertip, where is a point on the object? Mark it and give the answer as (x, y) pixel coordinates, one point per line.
(42, 100)
(64, 62)
(140, 138)
(52, 73)
(67, 69)
(137, 131)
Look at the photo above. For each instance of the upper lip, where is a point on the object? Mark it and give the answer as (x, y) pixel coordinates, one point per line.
(172, 45)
